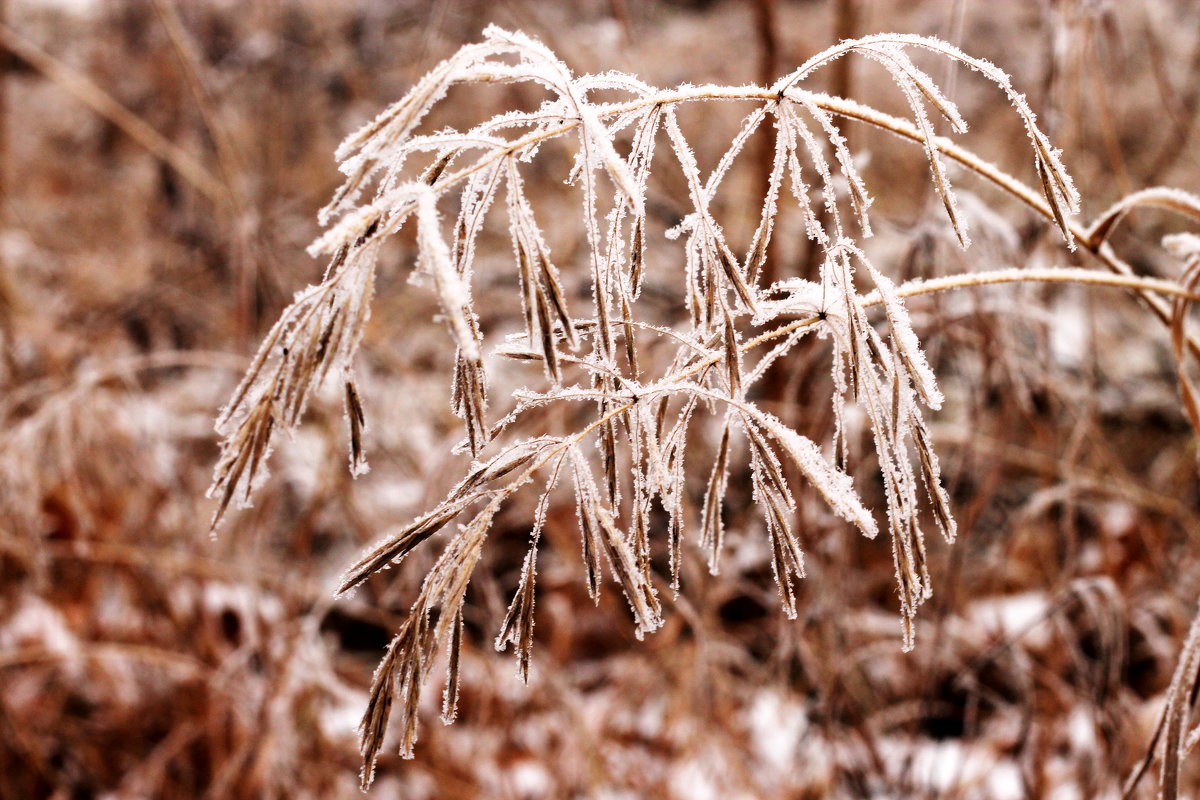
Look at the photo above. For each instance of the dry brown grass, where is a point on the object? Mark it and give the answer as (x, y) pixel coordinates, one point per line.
(645, 405)
(140, 659)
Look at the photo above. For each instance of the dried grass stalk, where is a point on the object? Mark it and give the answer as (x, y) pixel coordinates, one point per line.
(646, 410)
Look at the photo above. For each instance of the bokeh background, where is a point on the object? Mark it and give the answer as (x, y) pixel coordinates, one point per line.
(161, 164)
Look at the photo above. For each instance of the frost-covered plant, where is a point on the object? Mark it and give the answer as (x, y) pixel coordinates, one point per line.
(641, 413)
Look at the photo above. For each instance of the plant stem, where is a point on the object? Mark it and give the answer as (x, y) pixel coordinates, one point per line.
(1075, 275)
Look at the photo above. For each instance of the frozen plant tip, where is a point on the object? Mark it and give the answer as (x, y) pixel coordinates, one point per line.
(646, 389)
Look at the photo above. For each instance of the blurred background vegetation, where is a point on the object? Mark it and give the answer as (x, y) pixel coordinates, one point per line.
(161, 164)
